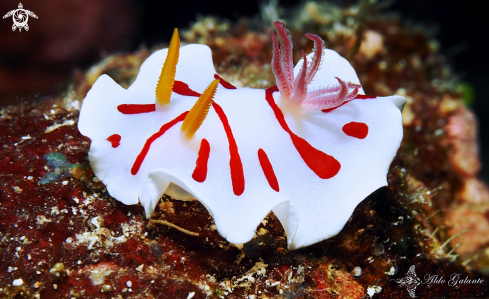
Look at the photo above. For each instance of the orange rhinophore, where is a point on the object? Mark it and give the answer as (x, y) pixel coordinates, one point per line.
(167, 77)
(197, 114)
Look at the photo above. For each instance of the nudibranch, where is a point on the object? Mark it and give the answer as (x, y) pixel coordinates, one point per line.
(309, 149)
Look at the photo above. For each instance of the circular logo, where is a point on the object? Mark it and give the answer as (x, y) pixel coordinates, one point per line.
(20, 18)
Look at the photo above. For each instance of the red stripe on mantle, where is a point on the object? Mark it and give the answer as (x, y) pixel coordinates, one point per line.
(140, 158)
(136, 108)
(224, 83)
(322, 164)
(182, 89)
(237, 174)
(267, 168)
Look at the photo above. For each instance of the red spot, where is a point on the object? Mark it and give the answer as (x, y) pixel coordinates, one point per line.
(136, 108)
(183, 89)
(200, 171)
(358, 97)
(357, 130)
(224, 83)
(237, 175)
(115, 140)
(268, 170)
(322, 164)
(150, 140)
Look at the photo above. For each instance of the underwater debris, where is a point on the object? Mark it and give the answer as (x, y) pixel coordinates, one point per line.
(61, 168)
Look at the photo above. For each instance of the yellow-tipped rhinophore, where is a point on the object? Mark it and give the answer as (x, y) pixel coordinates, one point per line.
(197, 114)
(164, 86)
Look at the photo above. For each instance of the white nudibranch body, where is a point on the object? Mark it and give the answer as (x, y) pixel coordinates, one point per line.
(308, 153)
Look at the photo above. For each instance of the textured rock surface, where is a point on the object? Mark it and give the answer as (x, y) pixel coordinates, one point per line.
(69, 238)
